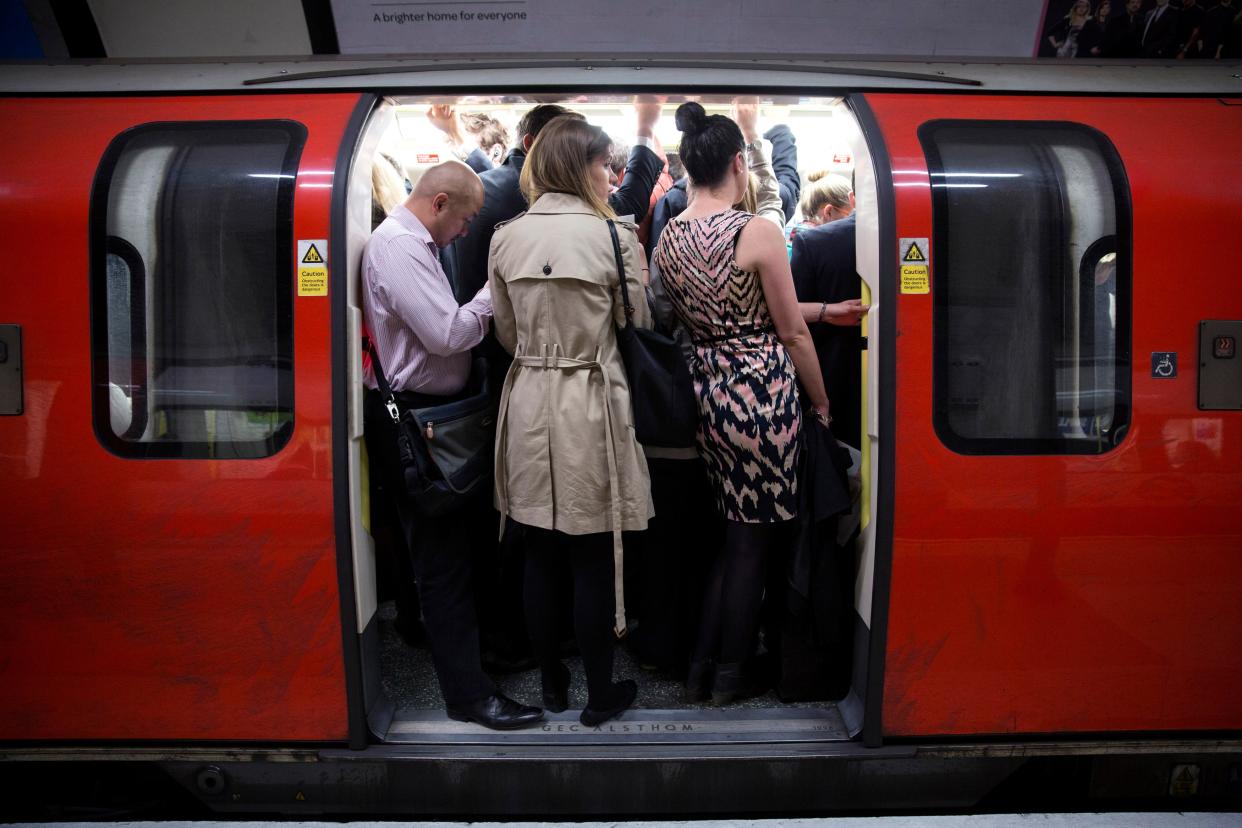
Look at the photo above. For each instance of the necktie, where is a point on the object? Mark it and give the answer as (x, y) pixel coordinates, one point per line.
(448, 264)
(1151, 18)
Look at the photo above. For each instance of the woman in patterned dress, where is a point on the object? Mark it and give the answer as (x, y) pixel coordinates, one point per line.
(728, 280)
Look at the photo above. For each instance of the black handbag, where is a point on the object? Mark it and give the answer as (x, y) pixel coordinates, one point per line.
(666, 413)
(446, 450)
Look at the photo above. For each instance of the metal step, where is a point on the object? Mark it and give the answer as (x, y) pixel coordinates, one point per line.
(821, 723)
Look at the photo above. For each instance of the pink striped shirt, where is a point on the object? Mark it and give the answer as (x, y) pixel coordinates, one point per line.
(422, 336)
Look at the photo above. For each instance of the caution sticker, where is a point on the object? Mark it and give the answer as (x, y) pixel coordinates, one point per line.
(914, 279)
(913, 251)
(312, 267)
(1184, 781)
(912, 259)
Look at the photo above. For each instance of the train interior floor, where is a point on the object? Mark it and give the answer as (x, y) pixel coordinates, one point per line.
(659, 713)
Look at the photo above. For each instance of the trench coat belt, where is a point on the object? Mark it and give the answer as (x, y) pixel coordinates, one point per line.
(550, 358)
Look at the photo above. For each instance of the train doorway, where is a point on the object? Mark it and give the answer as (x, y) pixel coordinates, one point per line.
(814, 643)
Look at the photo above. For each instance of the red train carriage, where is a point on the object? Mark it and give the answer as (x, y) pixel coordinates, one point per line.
(1050, 563)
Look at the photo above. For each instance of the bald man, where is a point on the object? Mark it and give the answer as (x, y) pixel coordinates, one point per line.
(423, 340)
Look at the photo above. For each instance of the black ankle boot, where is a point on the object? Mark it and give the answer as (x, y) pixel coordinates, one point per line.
(555, 688)
(698, 680)
(623, 695)
(732, 684)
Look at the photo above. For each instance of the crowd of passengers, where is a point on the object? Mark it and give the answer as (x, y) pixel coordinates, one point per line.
(1139, 29)
(511, 259)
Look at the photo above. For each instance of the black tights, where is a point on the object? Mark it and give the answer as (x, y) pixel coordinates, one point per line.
(734, 593)
(589, 557)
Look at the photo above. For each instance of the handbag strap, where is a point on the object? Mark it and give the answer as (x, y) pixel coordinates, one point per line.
(625, 293)
(390, 399)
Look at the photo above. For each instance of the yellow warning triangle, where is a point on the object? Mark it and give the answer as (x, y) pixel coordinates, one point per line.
(301, 797)
(912, 255)
(312, 256)
(1185, 775)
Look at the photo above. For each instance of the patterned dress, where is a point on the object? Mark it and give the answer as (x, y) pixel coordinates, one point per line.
(748, 400)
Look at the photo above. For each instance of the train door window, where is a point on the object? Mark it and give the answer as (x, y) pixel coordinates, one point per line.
(1031, 287)
(191, 289)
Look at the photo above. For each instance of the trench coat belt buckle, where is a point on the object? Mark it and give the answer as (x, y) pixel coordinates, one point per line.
(552, 358)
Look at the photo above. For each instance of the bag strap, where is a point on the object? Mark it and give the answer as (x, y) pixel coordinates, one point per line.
(625, 293)
(390, 399)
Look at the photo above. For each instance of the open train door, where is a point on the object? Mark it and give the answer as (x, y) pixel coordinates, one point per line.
(170, 547)
(1027, 467)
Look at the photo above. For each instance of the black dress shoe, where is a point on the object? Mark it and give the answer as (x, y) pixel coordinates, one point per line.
(623, 692)
(497, 711)
(698, 681)
(556, 689)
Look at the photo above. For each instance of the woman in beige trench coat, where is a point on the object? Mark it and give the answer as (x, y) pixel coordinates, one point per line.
(567, 464)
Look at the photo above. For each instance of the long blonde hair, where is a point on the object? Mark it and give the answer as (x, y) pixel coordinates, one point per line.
(559, 160)
(750, 198)
(387, 187)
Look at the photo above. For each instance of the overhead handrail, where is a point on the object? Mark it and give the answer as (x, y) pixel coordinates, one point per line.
(615, 64)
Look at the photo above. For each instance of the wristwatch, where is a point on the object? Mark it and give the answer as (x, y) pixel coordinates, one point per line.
(754, 145)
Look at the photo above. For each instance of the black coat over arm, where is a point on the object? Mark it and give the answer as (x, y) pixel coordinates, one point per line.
(823, 265)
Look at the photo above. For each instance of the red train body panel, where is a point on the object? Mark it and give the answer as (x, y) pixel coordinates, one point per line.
(1047, 594)
(157, 599)
(200, 600)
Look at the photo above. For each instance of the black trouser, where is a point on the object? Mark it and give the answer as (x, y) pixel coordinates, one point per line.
(395, 574)
(498, 590)
(548, 555)
(443, 562)
(666, 573)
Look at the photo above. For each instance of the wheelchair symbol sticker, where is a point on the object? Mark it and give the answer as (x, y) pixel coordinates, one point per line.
(1164, 364)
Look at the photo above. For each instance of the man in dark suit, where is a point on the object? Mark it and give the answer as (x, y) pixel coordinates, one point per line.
(1125, 31)
(502, 197)
(823, 265)
(1217, 23)
(1160, 31)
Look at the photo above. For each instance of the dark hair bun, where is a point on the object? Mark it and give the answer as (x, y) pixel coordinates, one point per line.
(691, 117)
(708, 143)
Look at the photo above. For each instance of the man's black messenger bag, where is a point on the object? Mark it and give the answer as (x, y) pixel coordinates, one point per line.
(445, 450)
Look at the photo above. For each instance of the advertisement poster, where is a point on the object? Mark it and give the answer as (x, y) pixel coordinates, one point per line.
(1136, 29)
(1006, 28)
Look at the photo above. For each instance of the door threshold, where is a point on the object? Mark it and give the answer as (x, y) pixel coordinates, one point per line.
(821, 723)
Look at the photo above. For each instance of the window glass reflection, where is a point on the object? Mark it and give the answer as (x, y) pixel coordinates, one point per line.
(195, 283)
(1028, 287)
